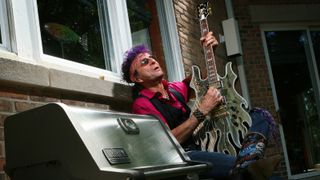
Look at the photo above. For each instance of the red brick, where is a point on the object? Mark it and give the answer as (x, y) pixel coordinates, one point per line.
(13, 95)
(1, 133)
(73, 102)
(44, 99)
(23, 106)
(2, 152)
(6, 106)
(2, 162)
(2, 118)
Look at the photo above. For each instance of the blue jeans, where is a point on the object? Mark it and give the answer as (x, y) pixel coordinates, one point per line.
(223, 163)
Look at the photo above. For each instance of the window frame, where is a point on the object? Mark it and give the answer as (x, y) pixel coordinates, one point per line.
(29, 45)
(170, 40)
(4, 26)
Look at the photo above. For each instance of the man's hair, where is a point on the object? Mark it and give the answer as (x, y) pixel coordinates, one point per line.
(129, 56)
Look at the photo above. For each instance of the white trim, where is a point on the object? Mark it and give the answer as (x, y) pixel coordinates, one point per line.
(284, 147)
(38, 52)
(272, 84)
(8, 55)
(78, 68)
(23, 22)
(120, 31)
(4, 26)
(170, 40)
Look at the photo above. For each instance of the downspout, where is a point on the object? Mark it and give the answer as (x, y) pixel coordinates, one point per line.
(239, 60)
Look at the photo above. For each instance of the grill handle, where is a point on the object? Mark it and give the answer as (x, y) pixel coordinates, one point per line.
(194, 168)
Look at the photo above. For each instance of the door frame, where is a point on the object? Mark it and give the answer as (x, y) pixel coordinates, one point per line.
(315, 82)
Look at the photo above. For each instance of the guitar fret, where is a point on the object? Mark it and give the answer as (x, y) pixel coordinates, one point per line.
(209, 55)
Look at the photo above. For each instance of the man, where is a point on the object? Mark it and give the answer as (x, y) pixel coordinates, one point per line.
(167, 100)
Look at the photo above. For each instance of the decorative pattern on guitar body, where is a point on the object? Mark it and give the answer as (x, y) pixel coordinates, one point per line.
(227, 124)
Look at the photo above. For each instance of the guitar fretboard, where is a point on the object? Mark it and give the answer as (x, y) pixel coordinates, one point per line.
(209, 55)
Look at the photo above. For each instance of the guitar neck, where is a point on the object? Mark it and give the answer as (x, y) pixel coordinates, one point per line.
(209, 55)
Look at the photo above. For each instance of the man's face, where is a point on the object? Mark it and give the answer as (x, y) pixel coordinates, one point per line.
(145, 69)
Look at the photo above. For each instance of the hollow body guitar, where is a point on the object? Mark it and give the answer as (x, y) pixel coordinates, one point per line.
(226, 125)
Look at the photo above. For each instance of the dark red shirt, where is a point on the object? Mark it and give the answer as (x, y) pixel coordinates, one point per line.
(144, 106)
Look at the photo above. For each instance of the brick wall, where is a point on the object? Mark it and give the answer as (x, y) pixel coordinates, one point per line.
(255, 65)
(189, 33)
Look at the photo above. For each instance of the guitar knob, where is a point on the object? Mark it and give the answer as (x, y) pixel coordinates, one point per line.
(233, 108)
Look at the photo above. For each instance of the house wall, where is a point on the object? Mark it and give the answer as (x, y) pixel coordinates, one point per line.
(250, 14)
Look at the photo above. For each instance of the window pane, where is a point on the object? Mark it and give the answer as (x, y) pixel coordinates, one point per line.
(145, 28)
(315, 35)
(140, 20)
(72, 30)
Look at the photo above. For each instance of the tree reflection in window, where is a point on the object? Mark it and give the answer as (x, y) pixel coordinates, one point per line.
(313, 124)
(71, 30)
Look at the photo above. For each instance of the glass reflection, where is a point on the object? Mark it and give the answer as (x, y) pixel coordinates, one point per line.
(71, 30)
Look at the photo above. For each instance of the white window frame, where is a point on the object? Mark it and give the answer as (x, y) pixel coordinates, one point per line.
(29, 46)
(170, 40)
(5, 35)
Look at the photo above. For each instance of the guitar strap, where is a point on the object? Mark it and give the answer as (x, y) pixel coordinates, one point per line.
(181, 100)
(173, 115)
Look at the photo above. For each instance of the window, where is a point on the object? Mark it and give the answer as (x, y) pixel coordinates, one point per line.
(90, 37)
(144, 25)
(153, 23)
(296, 87)
(73, 30)
(83, 37)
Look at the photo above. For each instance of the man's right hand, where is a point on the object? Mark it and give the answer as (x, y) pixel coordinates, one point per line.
(210, 100)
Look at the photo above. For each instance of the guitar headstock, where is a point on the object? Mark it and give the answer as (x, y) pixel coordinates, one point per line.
(203, 10)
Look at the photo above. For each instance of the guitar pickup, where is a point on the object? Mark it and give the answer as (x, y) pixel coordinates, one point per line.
(217, 84)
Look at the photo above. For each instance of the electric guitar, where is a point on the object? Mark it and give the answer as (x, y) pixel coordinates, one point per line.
(226, 125)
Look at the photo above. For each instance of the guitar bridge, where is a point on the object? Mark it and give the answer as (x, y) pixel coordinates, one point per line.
(220, 112)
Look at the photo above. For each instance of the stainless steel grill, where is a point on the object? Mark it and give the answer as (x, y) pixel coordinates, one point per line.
(60, 142)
